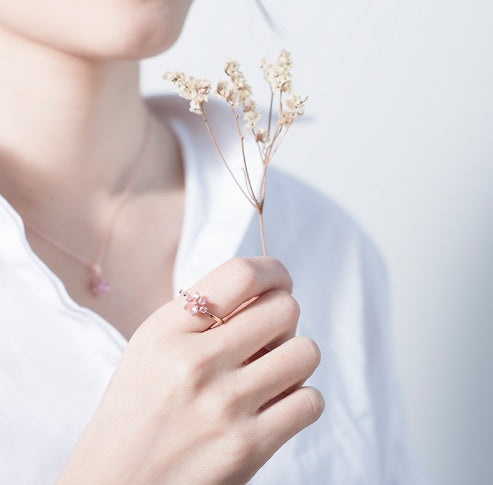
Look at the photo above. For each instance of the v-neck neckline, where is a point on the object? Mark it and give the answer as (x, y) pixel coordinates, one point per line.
(188, 155)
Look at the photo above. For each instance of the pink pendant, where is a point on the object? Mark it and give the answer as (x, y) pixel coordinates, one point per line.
(99, 285)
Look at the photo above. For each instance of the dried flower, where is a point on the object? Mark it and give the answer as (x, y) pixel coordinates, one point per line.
(278, 75)
(231, 67)
(295, 104)
(261, 135)
(251, 115)
(222, 89)
(294, 107)
(191, 88)
(238, 94)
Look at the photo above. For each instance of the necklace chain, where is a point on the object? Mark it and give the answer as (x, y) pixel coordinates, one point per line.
(97, 283)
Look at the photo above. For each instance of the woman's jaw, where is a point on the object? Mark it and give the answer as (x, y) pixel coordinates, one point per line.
(96, 29)
(72, 112)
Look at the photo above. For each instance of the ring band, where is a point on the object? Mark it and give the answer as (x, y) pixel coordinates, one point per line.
(196, 304)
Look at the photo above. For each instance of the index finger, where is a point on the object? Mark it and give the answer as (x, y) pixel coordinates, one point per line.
(233, 284)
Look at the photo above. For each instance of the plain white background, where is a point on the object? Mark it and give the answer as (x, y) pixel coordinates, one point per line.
(399, 131)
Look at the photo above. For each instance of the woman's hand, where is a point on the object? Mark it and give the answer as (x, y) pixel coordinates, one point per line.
(189, 406)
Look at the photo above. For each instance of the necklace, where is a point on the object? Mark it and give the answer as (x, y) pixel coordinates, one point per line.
(98, 284)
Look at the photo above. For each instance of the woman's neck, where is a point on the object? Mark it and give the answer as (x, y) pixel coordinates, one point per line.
(70, 128)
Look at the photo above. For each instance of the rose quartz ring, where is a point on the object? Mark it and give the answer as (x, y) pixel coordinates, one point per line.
(196, 304)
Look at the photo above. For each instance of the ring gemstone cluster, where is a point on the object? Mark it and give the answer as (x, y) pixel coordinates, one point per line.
(195, 303)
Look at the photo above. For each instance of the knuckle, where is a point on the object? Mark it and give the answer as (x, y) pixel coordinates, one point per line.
(310, 349)
(281, 269)
(190, 371)
(227, 406)
(246, 270)
(217, 347)
(186, 369)
(287, 275)
(242, 446)
(288, 304)
(235, 399)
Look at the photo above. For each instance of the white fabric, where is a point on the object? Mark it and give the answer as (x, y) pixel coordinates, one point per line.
(56, 357)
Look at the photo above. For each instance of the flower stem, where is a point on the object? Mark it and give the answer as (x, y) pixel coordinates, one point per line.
(242, 141)
(280, 140)
(270, 111)
(254, 203)
(262, 235)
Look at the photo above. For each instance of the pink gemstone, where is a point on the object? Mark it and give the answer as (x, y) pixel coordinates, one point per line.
(203, 309)
(202, 301)
(196, 296)
(195, 309)
(188, 298)
(99, 286)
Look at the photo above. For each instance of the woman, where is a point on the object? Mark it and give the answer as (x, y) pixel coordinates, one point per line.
(105, 213)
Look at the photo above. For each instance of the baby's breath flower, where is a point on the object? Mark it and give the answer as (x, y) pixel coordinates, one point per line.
(295, 104)
(231, 67)
(294, 107)
(238, 93)
(286, 118)
(278, 75)
(222, 88)
(284, 59)
(191, 88)
(251, 117)
(265, 65)
(262, 136)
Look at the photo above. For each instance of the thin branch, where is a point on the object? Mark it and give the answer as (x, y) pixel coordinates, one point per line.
(235, 114)
(279, 127)
(262, 235)
(280, 140)
(271, 144)
(246, 183)
(270, 111)
(262, 186)
(222, 156)
(258, 146)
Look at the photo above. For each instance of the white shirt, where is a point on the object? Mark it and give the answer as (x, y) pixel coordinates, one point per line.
(56, 356)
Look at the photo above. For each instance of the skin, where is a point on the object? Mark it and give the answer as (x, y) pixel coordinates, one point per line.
(239, 412)
(72, 120)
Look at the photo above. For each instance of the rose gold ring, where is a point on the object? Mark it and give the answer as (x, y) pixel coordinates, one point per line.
(197, 304)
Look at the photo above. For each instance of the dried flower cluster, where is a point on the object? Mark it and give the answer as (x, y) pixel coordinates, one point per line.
(279, 74)
(238, 94)
(195, 90)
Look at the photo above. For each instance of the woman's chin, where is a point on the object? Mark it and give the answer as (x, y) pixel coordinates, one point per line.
(131, 29)
(128, 41)
(130, 47)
